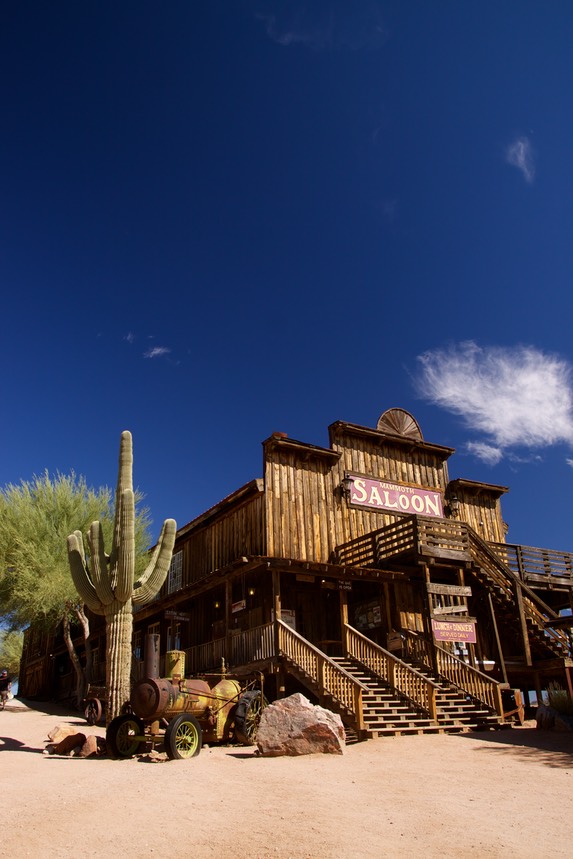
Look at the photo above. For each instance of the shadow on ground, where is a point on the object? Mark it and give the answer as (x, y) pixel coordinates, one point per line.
(550, 748)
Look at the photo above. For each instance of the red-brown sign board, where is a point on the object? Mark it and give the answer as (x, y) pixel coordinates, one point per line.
(382, 495)
(454, 630)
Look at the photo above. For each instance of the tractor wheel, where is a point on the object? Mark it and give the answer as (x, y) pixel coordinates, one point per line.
(183, 737)
(93, 711)
(248, 715)
(125, 736)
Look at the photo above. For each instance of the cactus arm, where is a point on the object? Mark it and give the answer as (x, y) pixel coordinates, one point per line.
(156, 571)
(124, 481)
(100, 574)
(126, 550)
(80, 574)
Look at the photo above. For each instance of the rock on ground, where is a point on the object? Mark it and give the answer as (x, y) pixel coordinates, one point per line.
(294, 726)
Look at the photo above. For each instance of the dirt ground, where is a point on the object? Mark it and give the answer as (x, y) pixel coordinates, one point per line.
(481, 795)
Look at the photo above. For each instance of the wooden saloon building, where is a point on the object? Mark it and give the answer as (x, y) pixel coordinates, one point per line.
(361, 575)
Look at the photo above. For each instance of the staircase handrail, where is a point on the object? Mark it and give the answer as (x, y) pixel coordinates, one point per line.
(465, 677)
(329, 677)
(400, 676)
(471, 680)
(534, 607)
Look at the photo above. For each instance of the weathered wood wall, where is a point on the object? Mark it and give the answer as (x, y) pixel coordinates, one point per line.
(220, 540)
(479, 506)
(306, 515)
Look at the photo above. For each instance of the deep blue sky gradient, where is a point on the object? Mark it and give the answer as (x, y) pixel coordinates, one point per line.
(296, 200)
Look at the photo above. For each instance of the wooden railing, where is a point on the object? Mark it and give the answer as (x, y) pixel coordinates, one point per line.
(387, 542)
(329, 678)
(205, 657)
(533, 566)
(469, 679)
(457, 672)
(441, 536)
(408, 682)
(536, 611)
(429, 535)
(253, 645)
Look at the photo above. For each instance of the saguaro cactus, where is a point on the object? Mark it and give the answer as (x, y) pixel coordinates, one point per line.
(108, 585)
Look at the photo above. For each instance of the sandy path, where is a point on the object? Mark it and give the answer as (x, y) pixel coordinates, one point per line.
(479, 795)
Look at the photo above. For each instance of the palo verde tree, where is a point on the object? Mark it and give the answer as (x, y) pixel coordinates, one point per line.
(108, 583)
(35, 585)
(11, 651)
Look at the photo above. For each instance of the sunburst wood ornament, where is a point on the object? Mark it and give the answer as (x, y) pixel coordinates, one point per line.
(400, 422)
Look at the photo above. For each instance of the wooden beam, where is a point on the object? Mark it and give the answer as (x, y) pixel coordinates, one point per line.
(523, 623)
(497, 638)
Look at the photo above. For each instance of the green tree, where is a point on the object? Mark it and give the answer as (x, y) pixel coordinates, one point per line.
(11, 651)
(36, 517)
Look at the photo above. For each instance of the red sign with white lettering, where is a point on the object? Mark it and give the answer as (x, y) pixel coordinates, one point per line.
(394, 496)
(454, 630)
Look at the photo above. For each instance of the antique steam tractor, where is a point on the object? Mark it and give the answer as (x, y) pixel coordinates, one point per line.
(183, 713)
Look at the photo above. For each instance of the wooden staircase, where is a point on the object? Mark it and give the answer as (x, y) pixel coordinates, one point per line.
(533, 617)
(387, 714)
(376, 694)
(417, 539)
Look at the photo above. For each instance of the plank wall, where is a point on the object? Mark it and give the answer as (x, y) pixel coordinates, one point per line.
(212, 545)
(306, 515)
(481, 509)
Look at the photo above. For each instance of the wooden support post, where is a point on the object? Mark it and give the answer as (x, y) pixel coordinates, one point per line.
(497, 638)
(569, 681)
(427, 621)
(228, 622)
(344, 621)
(524, 632)
(276, 608)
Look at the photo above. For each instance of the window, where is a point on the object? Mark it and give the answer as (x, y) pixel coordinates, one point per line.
(174, 636)
(175, 575)
(137, 652)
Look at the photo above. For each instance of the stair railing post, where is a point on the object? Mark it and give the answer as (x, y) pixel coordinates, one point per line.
(320, 677)
(498, 700)
(358, 708)
(433, 704)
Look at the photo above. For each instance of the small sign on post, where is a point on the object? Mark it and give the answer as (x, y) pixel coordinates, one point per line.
(454, 630)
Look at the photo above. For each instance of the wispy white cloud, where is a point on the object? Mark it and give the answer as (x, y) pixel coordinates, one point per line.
(514, 397)
(157, 352)
(488, 453)
(519, 154)
(130, 337)
(332, 25)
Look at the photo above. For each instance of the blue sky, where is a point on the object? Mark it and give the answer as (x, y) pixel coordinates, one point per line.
(221, 219)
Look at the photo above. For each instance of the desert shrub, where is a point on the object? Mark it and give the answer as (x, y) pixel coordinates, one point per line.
(559, 699)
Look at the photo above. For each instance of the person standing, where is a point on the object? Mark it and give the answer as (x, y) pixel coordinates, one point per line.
(5, 687)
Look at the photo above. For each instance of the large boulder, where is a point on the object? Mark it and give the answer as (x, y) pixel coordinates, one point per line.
(294, 726)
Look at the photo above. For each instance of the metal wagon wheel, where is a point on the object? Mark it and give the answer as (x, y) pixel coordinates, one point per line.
(183, 737)
(125, 736)
(93, 711)
(248, 716)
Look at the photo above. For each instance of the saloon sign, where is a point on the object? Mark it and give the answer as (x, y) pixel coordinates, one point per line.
(382, 495)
